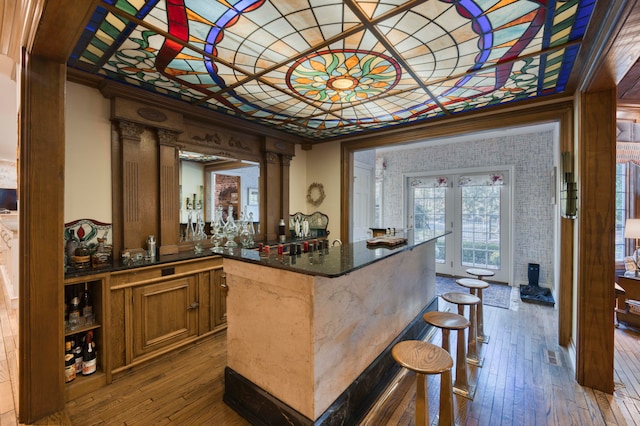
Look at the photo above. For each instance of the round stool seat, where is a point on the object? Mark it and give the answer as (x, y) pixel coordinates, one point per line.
(461, 298)
(447, 320)
(472, 283)
(479, 272)
(426, 358)
(422, 357)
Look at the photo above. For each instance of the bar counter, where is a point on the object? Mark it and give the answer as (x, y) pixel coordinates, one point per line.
(309, 336)
(329, 262)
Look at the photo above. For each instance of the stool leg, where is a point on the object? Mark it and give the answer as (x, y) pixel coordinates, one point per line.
(461, 385)
(445, 417)
(472, 348)
(422, 402)
(481, 336)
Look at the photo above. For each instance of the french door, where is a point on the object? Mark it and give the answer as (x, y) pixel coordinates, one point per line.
(475, 206)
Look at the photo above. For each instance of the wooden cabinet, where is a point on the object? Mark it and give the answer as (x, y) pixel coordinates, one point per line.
(628, 301)
(77, 330)
(164, 314)
(157, 309)
(145, 312)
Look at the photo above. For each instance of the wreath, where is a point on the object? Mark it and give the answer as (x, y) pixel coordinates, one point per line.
(315, 194)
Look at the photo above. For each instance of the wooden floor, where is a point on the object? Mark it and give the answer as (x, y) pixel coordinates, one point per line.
(526, 380)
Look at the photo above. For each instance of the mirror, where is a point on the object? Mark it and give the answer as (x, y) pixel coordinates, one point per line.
(211, 181)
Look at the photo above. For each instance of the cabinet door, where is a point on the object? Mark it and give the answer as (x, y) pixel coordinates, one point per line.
(220, 291)
(164, 314)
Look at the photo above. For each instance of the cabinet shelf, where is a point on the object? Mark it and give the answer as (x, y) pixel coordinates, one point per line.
(96, 286)
(83, 329)
(82, 385)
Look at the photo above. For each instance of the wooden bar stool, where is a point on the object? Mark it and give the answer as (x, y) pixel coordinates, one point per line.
(447, 321)
(423, 358)
(475, 287)
(480, 273)
(462, 300)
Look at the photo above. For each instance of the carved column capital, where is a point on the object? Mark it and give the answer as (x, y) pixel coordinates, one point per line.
(130, 130)
(270, 157)
(286, 160)
(167, 137)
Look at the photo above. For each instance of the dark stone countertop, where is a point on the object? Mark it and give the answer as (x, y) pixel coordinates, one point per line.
(332, 262)
(328, 262)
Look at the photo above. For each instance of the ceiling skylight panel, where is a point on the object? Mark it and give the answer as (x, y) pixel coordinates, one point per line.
(365, 41)
(509, 12)
(277, 77)
(373, 9)
(158, 16)
(334, 13)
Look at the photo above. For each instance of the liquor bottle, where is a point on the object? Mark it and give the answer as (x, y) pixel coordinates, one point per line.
(74, 310)
(82, 256)
(88, 355)
(70, 248)
(69, 362)
(87, 307)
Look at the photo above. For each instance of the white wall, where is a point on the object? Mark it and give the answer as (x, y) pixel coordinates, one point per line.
(321, 165)
(298, 182)
(8, 115)
(87, 180)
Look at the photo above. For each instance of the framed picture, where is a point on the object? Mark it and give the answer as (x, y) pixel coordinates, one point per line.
(252, 196)
(227, 193)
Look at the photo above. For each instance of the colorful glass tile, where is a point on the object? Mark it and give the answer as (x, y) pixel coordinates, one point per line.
(326, 68)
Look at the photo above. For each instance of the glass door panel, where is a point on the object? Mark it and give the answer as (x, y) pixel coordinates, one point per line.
(476, 210)
(429, 217)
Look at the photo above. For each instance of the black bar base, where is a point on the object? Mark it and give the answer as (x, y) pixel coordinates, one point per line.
(261, 408)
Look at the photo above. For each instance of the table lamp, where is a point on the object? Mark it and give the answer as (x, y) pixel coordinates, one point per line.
(632, 230)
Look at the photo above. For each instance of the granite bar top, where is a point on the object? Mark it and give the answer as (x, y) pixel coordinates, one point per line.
(329, 262)
(332, 262)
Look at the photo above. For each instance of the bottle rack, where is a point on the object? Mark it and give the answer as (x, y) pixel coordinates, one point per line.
(96, 286)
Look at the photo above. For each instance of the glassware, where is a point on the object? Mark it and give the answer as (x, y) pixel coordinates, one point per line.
(217, 231)
(251, 230)
(243, 231)
(231, 230)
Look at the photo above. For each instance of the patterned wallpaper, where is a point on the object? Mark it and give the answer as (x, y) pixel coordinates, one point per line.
(532, 156)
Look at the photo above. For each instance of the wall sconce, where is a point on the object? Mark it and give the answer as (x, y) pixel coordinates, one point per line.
(569, 191)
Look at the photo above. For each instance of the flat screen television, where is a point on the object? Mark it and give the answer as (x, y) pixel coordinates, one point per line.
(8, 199)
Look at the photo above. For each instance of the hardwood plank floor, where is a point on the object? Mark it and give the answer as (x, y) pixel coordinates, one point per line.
(527, 379)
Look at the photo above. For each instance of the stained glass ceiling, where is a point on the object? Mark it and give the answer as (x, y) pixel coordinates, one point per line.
(323, 68)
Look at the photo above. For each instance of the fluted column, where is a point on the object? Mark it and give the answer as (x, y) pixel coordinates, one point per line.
(130, 139)
(169, 191)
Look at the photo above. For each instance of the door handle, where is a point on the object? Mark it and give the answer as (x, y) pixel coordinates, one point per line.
(192, 306)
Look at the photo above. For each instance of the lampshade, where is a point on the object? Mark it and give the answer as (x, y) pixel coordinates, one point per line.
(632, 228)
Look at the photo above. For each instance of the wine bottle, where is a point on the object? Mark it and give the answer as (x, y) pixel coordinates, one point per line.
(77, 354)
(69, 362)
(89, 360)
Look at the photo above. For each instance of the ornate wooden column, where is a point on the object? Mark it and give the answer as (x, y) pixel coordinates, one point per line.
(271, 196)
(131, 212)
(284, 190)
(169, 194)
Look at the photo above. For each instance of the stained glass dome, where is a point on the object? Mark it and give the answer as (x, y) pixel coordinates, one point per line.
(325, 68)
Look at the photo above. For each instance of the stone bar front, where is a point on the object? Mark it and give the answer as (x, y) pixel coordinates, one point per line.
(308, 336)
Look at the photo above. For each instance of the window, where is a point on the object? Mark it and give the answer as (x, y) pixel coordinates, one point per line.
(621, 210)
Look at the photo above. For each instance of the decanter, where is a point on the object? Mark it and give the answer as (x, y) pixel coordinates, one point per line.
(231, 230)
